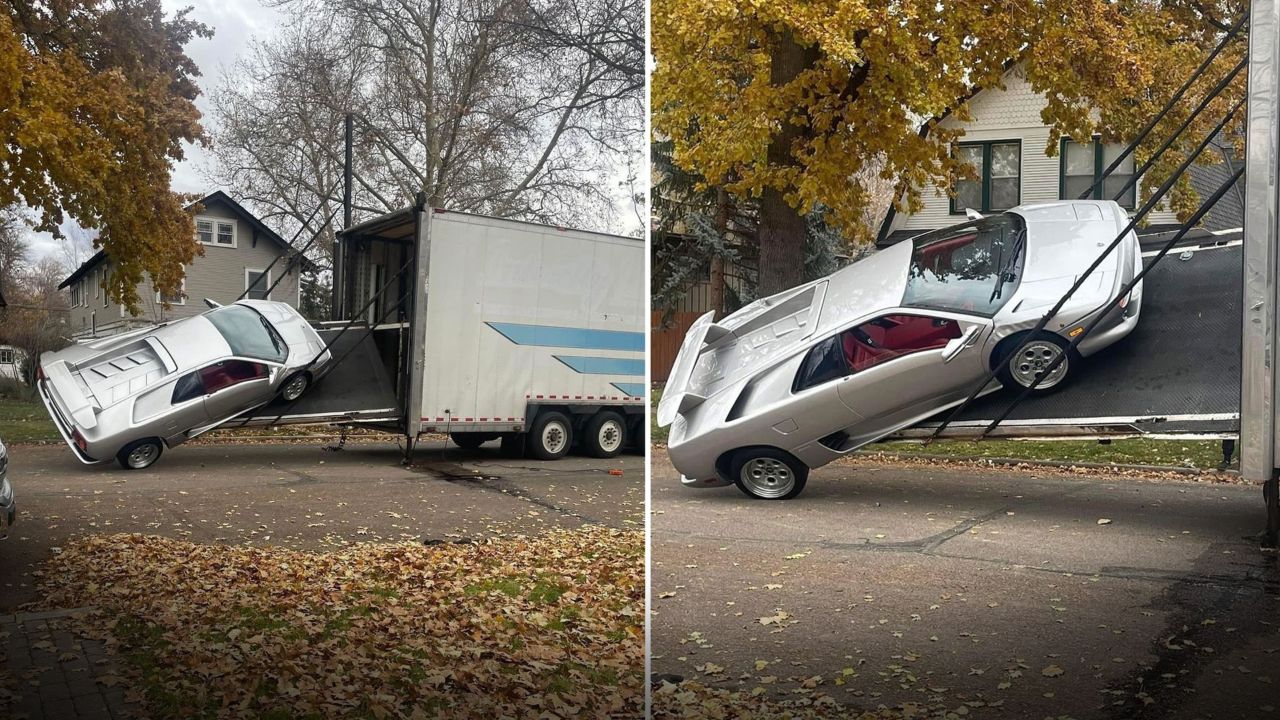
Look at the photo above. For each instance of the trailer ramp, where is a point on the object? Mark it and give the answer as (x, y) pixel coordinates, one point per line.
(356, 390)
(1177, 373)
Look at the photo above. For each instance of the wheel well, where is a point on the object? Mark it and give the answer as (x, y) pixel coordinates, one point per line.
(726, 459)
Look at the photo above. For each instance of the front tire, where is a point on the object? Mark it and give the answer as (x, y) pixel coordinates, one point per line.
(1033, 355)
(606, 434)
(140, 454)
(295, 386)
(768, 474)
(551, 436)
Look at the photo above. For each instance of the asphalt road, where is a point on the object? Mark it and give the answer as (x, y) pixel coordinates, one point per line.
(303, 496)
(999, 594)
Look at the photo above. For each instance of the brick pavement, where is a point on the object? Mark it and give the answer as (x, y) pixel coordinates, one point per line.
(47, 672)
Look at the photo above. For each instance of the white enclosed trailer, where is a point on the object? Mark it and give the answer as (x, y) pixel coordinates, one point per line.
(492, 328)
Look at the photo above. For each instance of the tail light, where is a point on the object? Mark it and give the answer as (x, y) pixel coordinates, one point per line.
(39, 372)
(80, 441)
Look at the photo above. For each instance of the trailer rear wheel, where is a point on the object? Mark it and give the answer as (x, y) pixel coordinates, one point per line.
(606, 434)
(766, 473)
(471, 440)
(551, 436)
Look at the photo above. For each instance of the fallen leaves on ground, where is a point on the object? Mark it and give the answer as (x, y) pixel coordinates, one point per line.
(550, 626)
(691, 700)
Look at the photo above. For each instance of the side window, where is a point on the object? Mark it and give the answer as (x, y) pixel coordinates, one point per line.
(187, 388)
(230, 372)
(873, 343)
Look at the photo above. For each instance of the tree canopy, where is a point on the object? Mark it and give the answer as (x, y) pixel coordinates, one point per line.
(791, 103)
(96, 99)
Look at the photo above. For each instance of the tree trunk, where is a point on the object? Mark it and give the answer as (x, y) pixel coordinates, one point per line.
(717, 261)
(782, 229)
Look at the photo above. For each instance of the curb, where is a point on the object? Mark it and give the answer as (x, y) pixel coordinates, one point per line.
(1181, 470)
(19, 618)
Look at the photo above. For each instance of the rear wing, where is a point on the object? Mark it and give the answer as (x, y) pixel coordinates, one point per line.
(67, 395)
(752, 338)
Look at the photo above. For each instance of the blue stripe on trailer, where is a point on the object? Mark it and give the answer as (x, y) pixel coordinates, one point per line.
(603, 365)
(632, 389)
(570, 337)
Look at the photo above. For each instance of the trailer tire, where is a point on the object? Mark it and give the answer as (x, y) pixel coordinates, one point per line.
(605, 435)
(471, 440)
(765, 473)
(140, 454)
(551, 436)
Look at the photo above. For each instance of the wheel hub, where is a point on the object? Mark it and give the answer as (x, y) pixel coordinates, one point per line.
(553, 437)
(142, 456)
(1032, 362)
(610, 436)
(767, 477)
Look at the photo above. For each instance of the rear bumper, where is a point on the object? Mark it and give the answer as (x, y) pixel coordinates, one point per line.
(1128, 320)
(64, 428)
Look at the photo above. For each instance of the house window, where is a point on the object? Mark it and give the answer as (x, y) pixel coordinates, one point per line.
(998, 185)
(180, 298)
(6, 356)
(1082, 164)
(256, 283)
(215, 231)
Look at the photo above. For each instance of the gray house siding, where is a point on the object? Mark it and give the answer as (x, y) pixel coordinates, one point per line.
(219, 274)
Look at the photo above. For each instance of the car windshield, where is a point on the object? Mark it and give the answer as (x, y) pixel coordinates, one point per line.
(248, 333)
(971, 268)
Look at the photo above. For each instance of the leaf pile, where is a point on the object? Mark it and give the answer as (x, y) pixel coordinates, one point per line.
(550, 626)
(692, 700)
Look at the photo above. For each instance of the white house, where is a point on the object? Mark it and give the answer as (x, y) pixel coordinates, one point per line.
(1006, 143)
(11, 362)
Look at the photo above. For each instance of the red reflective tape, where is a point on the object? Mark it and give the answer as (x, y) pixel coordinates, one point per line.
(468, 419)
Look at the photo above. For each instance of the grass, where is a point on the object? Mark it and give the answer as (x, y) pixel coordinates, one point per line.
(24, 420)
(1200, 454)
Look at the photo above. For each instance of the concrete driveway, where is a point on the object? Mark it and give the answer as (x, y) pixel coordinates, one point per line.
(301, 495)
(1002, 594)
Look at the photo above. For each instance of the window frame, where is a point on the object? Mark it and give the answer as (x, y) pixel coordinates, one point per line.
(1098, 166)
(849, 370)
(181, 302)
(264, 272)
(10, 355)
(985, 175)
(213, 238)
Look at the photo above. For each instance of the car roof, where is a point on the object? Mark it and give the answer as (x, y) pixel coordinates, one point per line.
(872, 284)
(192, 342)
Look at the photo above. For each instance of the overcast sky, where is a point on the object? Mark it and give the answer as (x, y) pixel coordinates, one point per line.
(235, 23)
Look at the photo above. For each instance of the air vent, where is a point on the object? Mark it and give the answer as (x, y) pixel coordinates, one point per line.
(836, 440)
(740, 405)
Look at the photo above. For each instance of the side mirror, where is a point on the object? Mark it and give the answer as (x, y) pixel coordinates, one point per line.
(213, 304)
(972, 214)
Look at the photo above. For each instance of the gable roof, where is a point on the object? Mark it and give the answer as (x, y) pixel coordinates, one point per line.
(216, 196)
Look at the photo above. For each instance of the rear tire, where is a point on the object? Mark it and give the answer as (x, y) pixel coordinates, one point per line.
(768, 474)
(605, 434)
(551, 436)
(140, 454)
(471, 440)
(1034, 354)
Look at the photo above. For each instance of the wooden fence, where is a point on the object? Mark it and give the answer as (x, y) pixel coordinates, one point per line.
(664, 342)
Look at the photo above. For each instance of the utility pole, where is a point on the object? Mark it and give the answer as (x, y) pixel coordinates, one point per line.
(1258, 437)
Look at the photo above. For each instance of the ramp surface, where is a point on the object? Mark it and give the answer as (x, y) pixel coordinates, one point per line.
(1177, 372)
(357, 388)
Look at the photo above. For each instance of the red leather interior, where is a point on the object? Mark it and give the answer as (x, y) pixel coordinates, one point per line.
(230, 372)
(938, 255)
(894, 336)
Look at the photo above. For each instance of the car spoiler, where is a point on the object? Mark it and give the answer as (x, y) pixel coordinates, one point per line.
(68, 396)
(675, 398)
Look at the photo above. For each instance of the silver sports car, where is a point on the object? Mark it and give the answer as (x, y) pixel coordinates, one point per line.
(799, 379)
(129, 396)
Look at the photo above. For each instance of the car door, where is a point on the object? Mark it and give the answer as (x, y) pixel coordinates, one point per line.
(231, 387)
(904, 363)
